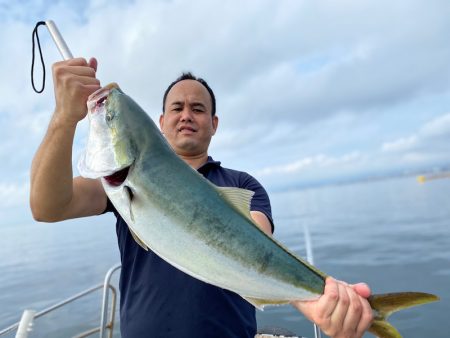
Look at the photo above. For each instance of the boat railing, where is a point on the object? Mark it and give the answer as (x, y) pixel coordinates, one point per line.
(106, 326)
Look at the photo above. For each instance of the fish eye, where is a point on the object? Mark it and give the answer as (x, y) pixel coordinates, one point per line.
(109, 117)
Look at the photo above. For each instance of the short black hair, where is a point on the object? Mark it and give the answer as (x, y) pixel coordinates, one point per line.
(190, 76)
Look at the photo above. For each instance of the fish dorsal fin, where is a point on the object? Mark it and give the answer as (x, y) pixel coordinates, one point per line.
(239, 198)
(261, 303)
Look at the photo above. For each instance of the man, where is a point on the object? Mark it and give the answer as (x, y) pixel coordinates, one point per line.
(158, 300)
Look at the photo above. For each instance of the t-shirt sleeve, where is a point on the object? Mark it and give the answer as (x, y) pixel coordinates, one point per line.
(260, 201)
(109, 207)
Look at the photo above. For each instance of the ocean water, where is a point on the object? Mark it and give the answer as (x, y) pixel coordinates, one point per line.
(392, 234)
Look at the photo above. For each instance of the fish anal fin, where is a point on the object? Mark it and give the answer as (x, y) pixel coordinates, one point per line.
(239, 198)
(261, 303)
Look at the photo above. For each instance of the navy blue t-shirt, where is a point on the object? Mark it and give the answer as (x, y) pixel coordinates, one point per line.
(158, 300)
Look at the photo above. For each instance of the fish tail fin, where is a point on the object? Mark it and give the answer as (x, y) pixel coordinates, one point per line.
(386, 304)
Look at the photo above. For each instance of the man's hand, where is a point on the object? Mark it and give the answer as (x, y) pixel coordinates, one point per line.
(342, 311)
(74, 81)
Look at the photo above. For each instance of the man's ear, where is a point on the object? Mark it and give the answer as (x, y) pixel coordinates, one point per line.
(215, 123)
(161, 121)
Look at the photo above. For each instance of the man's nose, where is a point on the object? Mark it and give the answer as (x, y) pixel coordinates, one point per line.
(186, 114)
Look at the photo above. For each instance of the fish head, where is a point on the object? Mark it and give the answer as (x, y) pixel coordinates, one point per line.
(111, 145)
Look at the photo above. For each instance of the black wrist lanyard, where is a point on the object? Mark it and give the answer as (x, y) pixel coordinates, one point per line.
(34, 36)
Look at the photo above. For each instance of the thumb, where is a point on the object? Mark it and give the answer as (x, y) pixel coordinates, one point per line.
(306, 307)
(93, 63)
(362, 289)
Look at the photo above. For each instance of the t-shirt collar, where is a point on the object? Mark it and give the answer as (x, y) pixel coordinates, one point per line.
(209, 162)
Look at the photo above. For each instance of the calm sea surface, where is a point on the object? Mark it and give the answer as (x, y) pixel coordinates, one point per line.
(393, 234)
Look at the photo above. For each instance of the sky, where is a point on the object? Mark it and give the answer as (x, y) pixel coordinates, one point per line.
(307, 91)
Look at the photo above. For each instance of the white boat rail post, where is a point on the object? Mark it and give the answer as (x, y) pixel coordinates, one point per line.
(25, 324)
(104, 314)
(310, 259)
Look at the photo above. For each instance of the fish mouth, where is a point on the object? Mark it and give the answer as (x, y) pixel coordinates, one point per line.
(97, 99)
(118, 178)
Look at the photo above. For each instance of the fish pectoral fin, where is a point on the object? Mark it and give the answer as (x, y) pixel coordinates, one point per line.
(261, 303)
(239, 198)
(129, 195)
(138, 240)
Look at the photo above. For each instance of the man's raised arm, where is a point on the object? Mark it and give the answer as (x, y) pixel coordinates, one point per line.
(55, 195)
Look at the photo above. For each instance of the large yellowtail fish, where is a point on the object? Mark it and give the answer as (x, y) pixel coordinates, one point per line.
(204, 230)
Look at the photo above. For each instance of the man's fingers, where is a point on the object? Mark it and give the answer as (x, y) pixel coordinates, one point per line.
(328, 301)
(72, 62)
(77, 65)
(93, 63)
(353, 314)
(362, 289)
(75, 70)
(340, 312)
(77, 62)
(68, 76)
(366, 318)
(87, 80)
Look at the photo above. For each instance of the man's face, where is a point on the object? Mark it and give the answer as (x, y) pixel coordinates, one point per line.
(187, 122)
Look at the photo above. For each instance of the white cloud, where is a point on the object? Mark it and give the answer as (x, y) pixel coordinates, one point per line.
(13, 194)
(431, 137)
(312, 164)
(438, 127)
(290, 167)
(36, 123)
(253, 52)
(293, 79)
(402, 144)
